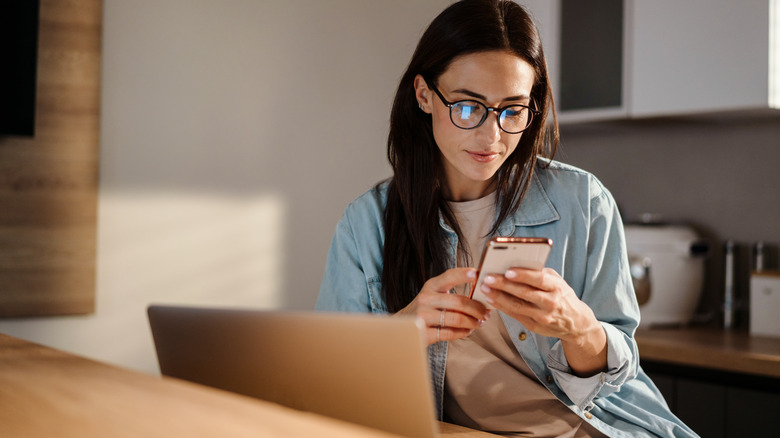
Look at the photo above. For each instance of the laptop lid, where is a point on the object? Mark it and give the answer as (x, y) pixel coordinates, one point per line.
(366, 369)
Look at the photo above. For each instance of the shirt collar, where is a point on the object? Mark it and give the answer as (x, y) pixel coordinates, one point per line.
(536, 209)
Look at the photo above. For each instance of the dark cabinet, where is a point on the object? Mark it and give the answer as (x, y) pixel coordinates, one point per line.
(751, 412)
(702, 406)
(719, 404)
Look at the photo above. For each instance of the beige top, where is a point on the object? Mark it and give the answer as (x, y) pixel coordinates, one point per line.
(475, 219)
(488, 385)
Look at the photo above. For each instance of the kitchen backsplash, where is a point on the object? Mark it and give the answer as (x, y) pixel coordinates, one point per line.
(721, 176)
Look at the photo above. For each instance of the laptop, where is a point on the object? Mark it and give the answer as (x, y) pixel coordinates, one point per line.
(365, 369)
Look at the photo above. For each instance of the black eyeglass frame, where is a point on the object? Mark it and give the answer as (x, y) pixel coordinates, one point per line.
(531, 111)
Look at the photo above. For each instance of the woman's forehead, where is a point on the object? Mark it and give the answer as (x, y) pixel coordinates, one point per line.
(494, 74)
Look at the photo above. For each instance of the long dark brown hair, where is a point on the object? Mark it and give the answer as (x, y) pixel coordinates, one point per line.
(415, 246)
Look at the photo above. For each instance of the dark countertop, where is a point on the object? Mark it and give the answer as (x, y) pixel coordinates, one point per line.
(712, 348)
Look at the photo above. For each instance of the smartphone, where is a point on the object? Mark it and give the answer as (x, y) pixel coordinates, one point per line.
(502, 253)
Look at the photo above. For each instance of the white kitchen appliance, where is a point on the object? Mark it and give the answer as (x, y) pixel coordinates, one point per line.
(667, 266)
(765, 304)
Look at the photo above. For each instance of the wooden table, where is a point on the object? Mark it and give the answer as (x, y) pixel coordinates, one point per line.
(712, 348)
(50, 393)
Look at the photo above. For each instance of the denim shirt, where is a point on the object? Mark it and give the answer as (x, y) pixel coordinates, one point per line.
(571, 207)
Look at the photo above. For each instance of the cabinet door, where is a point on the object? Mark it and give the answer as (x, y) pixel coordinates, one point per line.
(697, 55)
(751, 413)
(702, 406)
(584, 48)
(591, 55)
(546, 16)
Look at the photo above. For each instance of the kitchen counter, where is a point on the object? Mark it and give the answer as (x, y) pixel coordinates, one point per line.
(46, 392)
(711, 348)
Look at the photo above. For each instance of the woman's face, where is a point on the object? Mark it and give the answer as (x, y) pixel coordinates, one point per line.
(472, 157)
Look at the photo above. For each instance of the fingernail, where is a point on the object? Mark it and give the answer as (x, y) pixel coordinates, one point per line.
(490, 279)
(471, 274)
(489, 300)
(482, 322)
(486, 289)
(510, 274)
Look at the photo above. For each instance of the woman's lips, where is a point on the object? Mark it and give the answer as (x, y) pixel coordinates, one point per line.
(483, 157)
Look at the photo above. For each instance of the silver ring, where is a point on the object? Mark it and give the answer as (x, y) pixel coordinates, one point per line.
(438, 329)
(441, 319)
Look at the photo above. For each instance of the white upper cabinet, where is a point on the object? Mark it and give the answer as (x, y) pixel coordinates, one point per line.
(645, 58)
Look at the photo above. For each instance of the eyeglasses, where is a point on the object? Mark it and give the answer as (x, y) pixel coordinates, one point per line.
(470, 114)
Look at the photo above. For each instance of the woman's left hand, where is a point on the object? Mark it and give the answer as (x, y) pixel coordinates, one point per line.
(545, 304)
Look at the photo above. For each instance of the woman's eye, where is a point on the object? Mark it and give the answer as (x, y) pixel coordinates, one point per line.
(514, 112)
(467, 110)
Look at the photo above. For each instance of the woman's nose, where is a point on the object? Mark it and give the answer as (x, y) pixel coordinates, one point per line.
(490, 130)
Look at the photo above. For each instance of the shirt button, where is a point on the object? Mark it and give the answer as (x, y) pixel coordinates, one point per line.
(588, 415)
(522, 336)
(549, 379)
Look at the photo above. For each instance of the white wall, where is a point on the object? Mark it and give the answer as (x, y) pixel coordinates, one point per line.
(233, 134)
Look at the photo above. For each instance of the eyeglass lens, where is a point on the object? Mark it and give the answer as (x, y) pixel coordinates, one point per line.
(470, 114)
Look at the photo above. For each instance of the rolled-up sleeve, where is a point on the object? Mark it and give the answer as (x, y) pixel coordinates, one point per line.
(583, 390)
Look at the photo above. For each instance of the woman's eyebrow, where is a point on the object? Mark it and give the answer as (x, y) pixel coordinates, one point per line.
(479, 96)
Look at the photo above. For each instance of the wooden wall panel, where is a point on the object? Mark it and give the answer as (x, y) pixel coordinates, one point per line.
(49, 183)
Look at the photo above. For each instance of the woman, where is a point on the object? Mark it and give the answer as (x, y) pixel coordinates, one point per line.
(468, 134)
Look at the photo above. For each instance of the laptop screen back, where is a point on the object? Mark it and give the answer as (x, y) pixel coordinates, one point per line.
(366, 369)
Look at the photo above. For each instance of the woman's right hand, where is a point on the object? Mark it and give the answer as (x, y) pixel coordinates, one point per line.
(447, 316)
